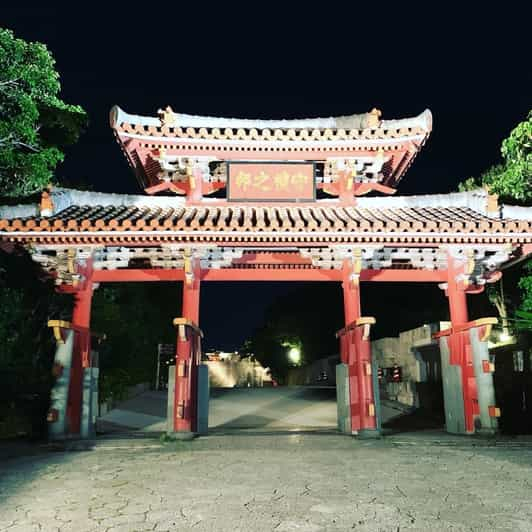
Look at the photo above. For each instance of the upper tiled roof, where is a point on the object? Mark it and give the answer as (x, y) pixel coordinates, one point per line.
(149, 142)
(366, 126)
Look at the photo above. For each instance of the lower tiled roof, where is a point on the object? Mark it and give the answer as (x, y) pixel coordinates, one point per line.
(80, 216)
(293, 218)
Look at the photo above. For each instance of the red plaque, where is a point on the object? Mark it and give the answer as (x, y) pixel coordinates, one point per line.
(270, 181)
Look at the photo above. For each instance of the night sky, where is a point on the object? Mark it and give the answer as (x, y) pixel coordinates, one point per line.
(473, 71)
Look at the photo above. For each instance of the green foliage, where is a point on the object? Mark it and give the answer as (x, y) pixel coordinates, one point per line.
(523, 320)
(35, 124)
(135, 317)
(511, 179)
(471, 183)
(26, 344)
(526, 286)
(309, 317)
(296, 320)
(26, 304)
(113, 384)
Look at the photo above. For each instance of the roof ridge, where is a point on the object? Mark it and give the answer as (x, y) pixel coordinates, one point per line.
(118, 116)
(473, 199)
(64, 197)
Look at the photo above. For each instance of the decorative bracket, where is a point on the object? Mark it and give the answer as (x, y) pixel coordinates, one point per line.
(182, 323)
(189, 272)
(485, 323)
(58, 326)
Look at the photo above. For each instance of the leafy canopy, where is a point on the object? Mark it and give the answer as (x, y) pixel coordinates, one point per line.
(512, 179)
(35, 124)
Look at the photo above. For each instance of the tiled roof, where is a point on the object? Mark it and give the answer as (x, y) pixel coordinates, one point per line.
(150, 142)
(356, 127)
(397, 218)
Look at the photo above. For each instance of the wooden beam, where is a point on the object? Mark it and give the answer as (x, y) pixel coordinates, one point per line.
(404, 276)
(271, 275)
(268, 275)
(137, 275)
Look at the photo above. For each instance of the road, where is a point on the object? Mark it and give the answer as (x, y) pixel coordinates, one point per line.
(279, 408)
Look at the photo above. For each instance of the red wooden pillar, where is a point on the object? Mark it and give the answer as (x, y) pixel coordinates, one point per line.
(363, 367)
(81, 317)
(458, 340)
(355, 349)
(351, 290)
(185, 398)
(457, 300)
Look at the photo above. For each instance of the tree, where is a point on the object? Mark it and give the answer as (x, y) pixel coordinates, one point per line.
(511, 179)
(27, 346)
(135, 317)
(35, 124)
(524, 313)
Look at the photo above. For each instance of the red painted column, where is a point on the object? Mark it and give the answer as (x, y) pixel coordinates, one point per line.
(457, 300)
(185, 400)
(367, 407)
(356, 353)
(458, 341)
(351, 289)
(81, 317)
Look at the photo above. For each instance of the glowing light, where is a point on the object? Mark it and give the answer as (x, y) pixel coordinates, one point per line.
(505, 337)
(294, 355)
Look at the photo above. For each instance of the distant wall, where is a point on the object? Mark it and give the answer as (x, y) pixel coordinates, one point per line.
(239, 373)
(414, 352)
(322, 372)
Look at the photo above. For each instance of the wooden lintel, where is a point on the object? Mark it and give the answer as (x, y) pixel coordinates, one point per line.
(268, 274)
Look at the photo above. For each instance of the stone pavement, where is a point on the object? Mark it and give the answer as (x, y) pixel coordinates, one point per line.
(266, 481)
(274, 408)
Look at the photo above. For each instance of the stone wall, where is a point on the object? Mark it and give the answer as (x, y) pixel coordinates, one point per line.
(239, 373)
(405, 351)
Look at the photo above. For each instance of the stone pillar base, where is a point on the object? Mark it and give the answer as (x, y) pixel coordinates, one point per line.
(181, 436)
(368, 434)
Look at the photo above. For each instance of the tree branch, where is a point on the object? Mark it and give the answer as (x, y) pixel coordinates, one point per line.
(10, 139)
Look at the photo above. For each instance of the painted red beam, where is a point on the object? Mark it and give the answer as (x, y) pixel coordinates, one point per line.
(277, 257)
(410, 276)
(271, 275)
(229, 274)
(137, 275)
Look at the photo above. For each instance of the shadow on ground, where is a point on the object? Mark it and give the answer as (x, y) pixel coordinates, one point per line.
(413, 421)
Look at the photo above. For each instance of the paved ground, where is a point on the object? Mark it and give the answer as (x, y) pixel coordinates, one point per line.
(272, 408)
(263, 478)
(263, 482)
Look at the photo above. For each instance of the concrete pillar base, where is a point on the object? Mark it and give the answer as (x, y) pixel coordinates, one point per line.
(368, 434)
(486, 432)
(181, 436)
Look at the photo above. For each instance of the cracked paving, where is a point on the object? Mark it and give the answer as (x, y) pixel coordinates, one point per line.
(262, 482)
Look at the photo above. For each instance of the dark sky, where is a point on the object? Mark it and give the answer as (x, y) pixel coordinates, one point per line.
(472, 69)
